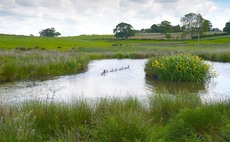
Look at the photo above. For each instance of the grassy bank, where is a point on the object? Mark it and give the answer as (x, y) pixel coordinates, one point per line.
(18, 65)
(182, 117)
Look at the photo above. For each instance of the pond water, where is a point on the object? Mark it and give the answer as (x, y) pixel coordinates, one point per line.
(122, 78)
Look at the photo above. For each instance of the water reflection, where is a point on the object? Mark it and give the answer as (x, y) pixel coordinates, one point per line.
(158, 86)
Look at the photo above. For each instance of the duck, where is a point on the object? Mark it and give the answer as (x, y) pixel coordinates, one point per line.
(103, 73)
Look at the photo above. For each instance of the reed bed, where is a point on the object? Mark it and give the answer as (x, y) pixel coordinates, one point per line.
(180, 117)
(40, 64)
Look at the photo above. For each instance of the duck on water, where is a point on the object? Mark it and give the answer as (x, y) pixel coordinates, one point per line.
(114, 70)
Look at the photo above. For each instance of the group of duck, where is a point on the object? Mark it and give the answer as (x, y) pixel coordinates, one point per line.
(114, 70)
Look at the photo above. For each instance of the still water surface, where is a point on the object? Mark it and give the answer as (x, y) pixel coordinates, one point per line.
(128, 80)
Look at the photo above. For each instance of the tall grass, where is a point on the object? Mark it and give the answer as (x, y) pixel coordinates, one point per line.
(40, 64)
(181, 117)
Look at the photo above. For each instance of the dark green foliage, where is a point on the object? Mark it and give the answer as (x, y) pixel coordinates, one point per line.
(155, 28)
(207, 26)
(49, 32)
(123, 31)
(165, 27)
(227, 28)
(192, 24)
(176, 29)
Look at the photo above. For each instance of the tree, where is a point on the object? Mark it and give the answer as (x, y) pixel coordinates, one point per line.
(154, 28)
(192, 23)
(123, 30)
(49, 32)
(165, 27)
(176, 29)
(227, 27)
(207, 26)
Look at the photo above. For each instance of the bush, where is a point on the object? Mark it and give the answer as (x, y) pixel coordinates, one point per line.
(179, 67)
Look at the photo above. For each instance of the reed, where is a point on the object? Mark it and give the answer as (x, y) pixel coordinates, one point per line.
(166, 106)
(37, 65)
(203, 123)
(179, 117)
(120, 120)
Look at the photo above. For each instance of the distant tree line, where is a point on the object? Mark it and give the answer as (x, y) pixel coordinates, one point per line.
(192, 24)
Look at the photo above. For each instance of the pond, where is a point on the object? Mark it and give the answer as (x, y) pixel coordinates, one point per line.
(114, 78)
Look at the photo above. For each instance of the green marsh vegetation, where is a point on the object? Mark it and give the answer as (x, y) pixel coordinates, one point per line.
(165, 117)
(18, 65)
(180, 67)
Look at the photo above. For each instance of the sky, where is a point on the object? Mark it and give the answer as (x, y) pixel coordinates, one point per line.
(77, 17)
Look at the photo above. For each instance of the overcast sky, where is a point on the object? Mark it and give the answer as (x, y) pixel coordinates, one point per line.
(76, 17)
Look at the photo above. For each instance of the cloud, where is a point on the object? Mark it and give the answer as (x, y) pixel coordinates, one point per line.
(74, 17)
(166, 1)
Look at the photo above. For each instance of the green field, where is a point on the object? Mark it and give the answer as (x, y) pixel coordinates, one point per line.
(101, 43)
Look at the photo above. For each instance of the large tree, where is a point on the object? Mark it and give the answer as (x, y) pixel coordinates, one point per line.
(165, 27)
(207, 26)
(123, 30)
(49, 32)
(192, 24)
(227, 27)
(176, 29)
(154, 28)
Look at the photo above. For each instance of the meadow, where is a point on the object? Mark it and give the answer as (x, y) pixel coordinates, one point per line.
(106, 46)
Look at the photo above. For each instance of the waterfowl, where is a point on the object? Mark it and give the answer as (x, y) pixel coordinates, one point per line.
(103, 73)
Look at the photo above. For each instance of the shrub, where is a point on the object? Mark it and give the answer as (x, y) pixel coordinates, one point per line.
(180, 67)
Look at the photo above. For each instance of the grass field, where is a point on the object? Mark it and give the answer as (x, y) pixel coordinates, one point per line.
(108, 43)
